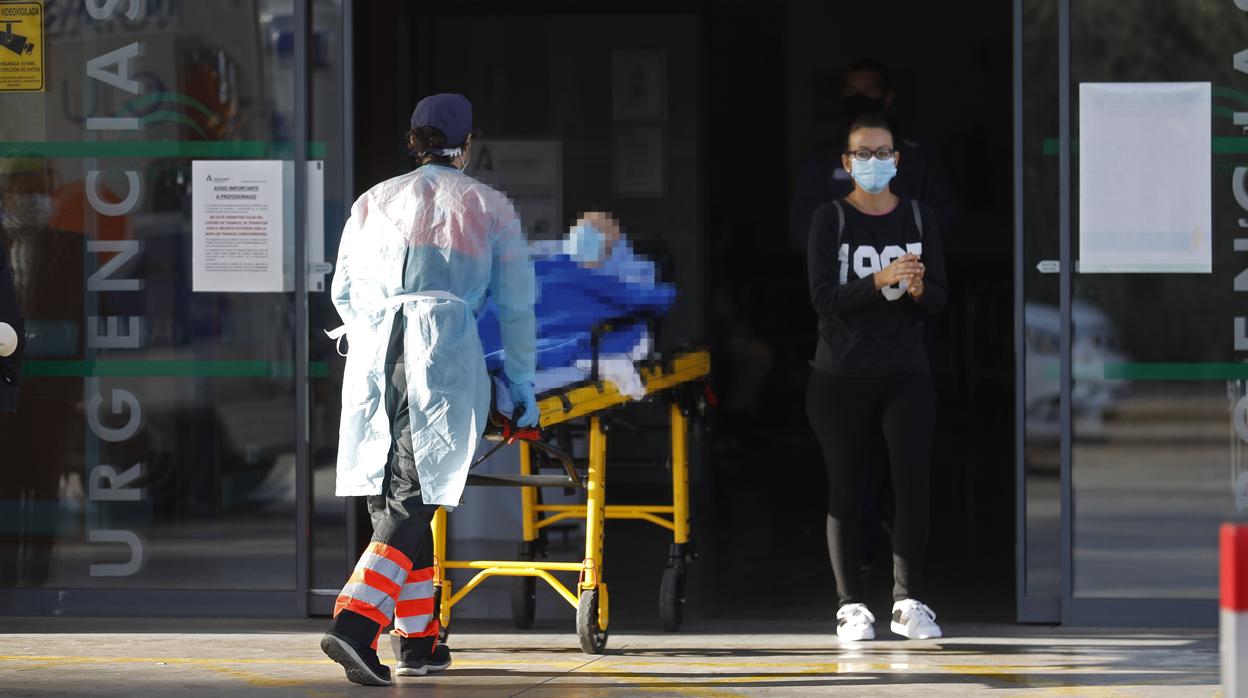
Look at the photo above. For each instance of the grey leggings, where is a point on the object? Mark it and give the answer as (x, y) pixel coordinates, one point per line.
(844, 410)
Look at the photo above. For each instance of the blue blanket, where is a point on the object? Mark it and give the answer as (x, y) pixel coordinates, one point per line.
(571, 300)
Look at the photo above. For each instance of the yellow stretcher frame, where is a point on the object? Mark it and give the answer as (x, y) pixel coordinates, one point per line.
(591, 600)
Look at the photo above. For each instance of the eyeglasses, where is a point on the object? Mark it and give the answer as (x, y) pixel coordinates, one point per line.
(864, 154)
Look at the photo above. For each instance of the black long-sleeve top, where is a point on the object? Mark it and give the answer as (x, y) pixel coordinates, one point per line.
(864, 331)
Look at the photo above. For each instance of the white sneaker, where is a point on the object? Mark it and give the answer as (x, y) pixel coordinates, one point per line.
(854, 622)
(914, 620)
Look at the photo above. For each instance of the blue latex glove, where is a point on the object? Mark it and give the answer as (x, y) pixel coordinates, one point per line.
(525, 412)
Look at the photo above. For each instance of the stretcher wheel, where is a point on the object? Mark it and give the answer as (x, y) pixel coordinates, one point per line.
(672, 599)
(443, 633)
(523, 601)
(593, 638)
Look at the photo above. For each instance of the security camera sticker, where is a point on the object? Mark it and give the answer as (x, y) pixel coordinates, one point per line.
(21, 47)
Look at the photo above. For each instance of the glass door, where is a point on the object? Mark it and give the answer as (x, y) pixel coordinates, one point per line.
(1155, 364)
(1131, 189)
(154, 464)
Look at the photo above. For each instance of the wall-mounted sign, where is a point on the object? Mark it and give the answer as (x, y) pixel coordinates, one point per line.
(638, 160)
(639, 85)
(21, 47)
(530, 173)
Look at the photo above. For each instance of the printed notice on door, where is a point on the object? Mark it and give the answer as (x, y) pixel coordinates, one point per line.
(1145, 192)
(21, 47)
(237, 225)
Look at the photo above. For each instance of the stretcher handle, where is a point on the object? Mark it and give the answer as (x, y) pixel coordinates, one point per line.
(507, 433)
(565, 458)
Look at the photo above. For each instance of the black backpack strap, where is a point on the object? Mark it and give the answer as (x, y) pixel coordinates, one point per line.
(840, 223)
(918, 217)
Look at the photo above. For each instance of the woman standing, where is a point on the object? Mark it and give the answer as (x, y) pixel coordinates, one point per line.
(417, 258)
(876, 270)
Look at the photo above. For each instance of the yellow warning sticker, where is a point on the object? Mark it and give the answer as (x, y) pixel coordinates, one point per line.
(21, 46)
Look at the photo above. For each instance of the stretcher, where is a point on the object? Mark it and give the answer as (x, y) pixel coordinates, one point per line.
(681, 383)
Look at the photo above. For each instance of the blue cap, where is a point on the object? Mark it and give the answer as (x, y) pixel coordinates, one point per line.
(449, 113)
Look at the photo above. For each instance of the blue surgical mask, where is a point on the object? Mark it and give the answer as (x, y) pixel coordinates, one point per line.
(873, 175)
(585, 244)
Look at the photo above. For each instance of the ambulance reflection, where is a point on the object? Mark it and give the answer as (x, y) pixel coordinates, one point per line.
(1094, 346)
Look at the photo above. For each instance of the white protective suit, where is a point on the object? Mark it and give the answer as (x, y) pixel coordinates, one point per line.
(430, 244)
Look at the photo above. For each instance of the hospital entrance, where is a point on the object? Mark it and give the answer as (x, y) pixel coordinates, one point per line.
(691, 125)
(174, 450)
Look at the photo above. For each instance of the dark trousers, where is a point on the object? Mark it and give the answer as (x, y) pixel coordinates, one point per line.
(401, 535)
(846, 413)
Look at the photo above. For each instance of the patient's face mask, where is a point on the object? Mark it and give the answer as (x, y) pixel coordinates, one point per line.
(586, 244)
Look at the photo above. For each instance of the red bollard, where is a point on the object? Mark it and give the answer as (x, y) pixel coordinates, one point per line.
(1233, 623)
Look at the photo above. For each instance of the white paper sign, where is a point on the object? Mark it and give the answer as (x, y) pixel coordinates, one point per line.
(638, 159)
(639, 85)
(1145, 196)
(530, 173)
(237, 226)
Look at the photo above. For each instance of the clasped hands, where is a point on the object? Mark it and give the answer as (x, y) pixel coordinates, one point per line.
(906, 268)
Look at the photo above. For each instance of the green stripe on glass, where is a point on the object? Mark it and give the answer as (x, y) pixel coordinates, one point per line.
(1222, 145)
(1228, 93)
(168, 369)
(1051, 370)
(155, 149)
(1175, 372)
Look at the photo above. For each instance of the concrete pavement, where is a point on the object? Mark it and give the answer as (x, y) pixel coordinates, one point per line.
(194, 658)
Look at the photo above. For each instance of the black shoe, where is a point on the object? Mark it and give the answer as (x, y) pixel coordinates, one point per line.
(361, 663)
(438, 660)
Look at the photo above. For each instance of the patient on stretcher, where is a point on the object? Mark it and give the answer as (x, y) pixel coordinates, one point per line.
(588, 278)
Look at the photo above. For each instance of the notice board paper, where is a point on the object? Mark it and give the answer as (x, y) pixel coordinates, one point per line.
(237, 226)
(1145, 171)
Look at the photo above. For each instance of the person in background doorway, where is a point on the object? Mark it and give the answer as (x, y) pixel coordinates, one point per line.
(417, 258)
(868, 91)
(876, 270)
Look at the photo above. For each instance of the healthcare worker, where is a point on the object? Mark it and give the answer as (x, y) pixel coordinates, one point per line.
(417, 259)
(876, 270)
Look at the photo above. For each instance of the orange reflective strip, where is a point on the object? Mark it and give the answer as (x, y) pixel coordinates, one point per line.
(423, 574)
(390, 554)
(415, 607)
(376, 580)
(346, 603)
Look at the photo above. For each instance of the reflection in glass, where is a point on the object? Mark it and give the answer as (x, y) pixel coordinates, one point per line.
(154, 439)
(1153, 464)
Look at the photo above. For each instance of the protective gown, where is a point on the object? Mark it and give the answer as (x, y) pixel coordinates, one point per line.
(430, 244)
